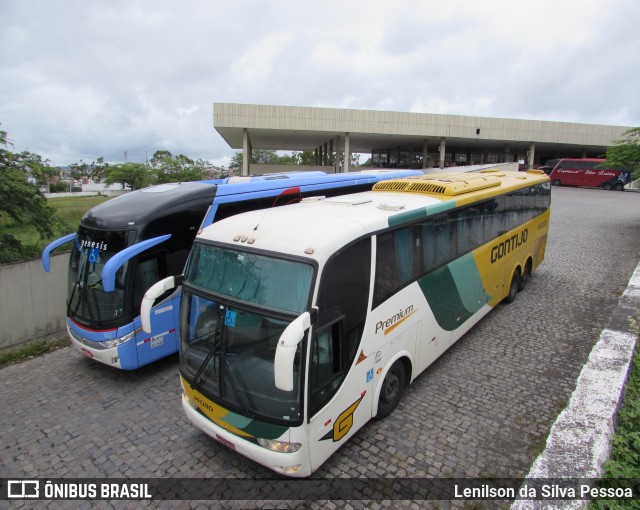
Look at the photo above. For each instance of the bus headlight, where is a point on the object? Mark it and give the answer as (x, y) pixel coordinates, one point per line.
(289, 470)
(118, 341)
(279, 446)
(192, 403)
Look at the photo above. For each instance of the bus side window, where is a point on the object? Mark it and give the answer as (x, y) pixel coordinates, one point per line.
(470, 229)
(149, 270)
(232, 208)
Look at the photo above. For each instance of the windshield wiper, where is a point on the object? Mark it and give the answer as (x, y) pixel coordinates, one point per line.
(73, 293)
(195, 384)
(235, 376)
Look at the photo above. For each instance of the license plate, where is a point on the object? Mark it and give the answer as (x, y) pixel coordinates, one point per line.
(157, 341)
(228, 444)
(87, 353)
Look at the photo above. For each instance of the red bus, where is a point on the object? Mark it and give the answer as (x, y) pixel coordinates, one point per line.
(589, 172)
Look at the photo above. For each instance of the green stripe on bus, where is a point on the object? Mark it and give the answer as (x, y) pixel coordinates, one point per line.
(424, 212)
(453, 292)
(264, 430)
(468, 282)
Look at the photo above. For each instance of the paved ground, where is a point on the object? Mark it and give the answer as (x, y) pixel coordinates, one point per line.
(484, 409)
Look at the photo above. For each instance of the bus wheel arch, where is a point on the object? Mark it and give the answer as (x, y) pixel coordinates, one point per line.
(391, 386)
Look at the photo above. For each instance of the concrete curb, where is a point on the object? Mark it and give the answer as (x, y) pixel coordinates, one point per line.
(580, 439)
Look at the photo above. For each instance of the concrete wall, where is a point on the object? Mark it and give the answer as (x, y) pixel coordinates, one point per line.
(32, 302)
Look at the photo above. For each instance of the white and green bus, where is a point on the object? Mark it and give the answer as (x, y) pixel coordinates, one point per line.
(299, 324)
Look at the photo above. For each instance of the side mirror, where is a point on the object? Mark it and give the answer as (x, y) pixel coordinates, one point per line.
(117, 261)
(154, 292)
(46, 253)
(286, 351)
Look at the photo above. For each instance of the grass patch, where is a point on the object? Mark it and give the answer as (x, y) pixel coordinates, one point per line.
(68, 209)
(31, 350)
(72, 209)
(624, 461)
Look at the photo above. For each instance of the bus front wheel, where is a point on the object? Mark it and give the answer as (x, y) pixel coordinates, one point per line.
(513, 287)
(392, 390)
(607, 186)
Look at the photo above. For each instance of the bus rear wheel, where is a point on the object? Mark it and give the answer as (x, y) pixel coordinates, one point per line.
(556, 182)
(607, 186)
(392, 390)
(526, 274)
(513, 287)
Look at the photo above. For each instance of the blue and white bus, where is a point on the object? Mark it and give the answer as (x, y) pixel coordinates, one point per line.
(128, 243)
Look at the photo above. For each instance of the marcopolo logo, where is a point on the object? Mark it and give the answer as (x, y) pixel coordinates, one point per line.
(505, 247)
(393, 322)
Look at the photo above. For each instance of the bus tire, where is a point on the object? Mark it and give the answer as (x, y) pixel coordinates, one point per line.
(513, 287)
(526, 274)
(392, 390)
(608, 186)
(556, 182)
(619, 187)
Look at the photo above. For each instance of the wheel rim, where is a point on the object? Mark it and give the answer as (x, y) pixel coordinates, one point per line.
(513, 290)
(391, 387)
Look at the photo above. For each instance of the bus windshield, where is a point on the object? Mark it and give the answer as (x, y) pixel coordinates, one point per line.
(87, 302)
(230, 326)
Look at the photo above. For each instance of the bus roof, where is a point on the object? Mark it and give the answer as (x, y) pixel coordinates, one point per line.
(145, 205)
(317, 227)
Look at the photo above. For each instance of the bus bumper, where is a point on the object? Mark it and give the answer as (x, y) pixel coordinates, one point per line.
(295, 464)
(123, 355)
(107, 356)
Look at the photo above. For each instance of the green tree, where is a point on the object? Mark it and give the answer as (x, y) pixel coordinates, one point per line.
(307, 158)
(79, 170)
(180, 168)
(94, 170)
(266, 157)
(40, 170)
(21, 202)
(98, 169)
(626, 152)
(130, 175)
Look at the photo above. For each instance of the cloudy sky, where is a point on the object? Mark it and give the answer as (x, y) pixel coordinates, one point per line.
(83, 79)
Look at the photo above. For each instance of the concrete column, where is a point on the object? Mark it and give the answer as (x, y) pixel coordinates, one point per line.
(331, 156)
(246, 152)
(532, 153)
(317, 160)
(347, 153)
(507, 153)
(336, 164)
(443, 146)
(425, 155)
(324, 154)
(583, 153)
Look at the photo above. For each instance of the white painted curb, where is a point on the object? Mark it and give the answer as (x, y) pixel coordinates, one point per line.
(580, 439)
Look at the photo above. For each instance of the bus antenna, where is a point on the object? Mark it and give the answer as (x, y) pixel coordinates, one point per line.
(294, 190)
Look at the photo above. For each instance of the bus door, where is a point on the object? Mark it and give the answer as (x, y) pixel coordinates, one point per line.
(163, 339)
(340, 368)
